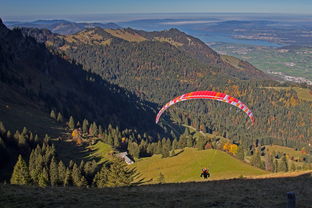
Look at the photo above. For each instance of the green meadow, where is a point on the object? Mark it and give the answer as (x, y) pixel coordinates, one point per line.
(187, 165)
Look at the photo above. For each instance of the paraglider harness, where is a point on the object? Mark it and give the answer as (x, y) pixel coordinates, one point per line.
(205, 173)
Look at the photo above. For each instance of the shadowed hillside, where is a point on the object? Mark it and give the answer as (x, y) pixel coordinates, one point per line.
(34, 81)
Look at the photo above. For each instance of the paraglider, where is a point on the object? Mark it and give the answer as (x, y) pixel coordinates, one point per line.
(208, 95)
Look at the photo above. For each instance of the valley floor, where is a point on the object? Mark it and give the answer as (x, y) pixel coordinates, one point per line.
(224, 193)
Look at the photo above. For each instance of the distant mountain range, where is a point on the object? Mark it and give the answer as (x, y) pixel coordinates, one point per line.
(63, 27)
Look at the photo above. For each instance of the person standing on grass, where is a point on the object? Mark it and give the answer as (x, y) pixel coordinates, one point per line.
(205, 173)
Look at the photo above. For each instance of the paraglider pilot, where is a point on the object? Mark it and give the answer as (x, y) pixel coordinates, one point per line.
(205, 173)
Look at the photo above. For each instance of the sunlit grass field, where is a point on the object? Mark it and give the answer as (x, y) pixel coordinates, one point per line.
(187, 166)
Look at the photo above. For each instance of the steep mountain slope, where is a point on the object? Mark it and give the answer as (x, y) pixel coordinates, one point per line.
(200, 51)
(158, 66)
(33, 78)
(61, 26)
(122, 55)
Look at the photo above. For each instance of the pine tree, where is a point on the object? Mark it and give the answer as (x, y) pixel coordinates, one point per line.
(83, 182)
(116, 142)
(268, 161)
(32, 165)
(101, 178)
(2, 144)
(46, 138)
(24, 131)
(120, 175)
(186, 131)
(67, 178)
(283, 166)
(100, 130)
(43, 178)
(53, 172)
(165, 152)
(9, 134)
(2, 128)
(110, 140)
(182, 141)
(71, 164)
(85, 125)
(31, 137)
(200, 143)
(174, 144)
(94, 129)
(158, 148)
(71, 123)
(52, 114)
(81, 166)
(134, 149)
(36, 139)
(275, 165)
(20, 173)
(256, 159)
(61, 172)
(293, 167)
(189, 142)
(59, 118)
(89, 170)
(16, 135)
(21, 140)
(240, 152)
(78, 179)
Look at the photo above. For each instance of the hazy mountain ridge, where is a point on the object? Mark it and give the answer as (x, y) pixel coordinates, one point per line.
(61, 26)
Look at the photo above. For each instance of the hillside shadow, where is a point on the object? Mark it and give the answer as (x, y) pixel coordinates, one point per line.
(68, 150)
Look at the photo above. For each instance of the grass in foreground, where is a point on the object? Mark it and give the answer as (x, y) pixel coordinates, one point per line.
(227, 193)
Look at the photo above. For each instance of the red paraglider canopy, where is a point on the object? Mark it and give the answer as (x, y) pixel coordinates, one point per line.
(208, 95)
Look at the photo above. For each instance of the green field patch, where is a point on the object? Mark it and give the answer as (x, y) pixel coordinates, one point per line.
(100, 150)
(287, 150)
(125, 35)
(187, 166)
(290, 61)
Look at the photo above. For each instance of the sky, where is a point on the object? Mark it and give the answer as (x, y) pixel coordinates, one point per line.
(23, 9)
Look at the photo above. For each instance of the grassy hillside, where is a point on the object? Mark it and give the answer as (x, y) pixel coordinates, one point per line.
(100, 150)
(16, 115)
(126, 35)
(282, 149)
(187, 166)
(228, 193)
